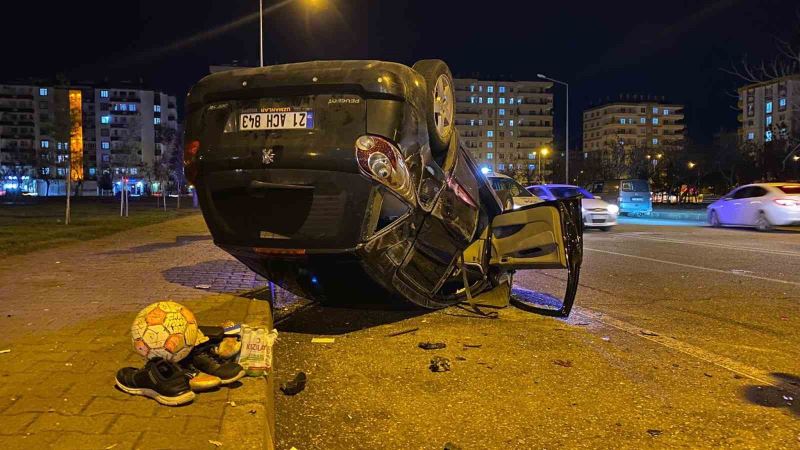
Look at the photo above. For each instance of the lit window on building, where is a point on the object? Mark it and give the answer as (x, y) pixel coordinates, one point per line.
(472, 99)
(156, 120)
(511, 101)
(531, 155)
(501, 123)
(134, 170)
(501, 112)
(490, 89)
(511, 123)
(655, 110)
(622, 121)
(501, 100)
(490, 100)
(104, 93)
(501, 167)
(45, 144)
(105, 119)
(480, 122)
(511, 167)
(642, 119)
(157, 108)
(502, 89)
(490, 155)
(655, 120)
(60, 171)
(655, 141)
(480, 88)
(666, 112)
(768, 136)
(768, 107)
(105, 145)
(531, 166)
(43, 92)
(490, 133)
(782, 103)
(132, 107)
(472, 122)
(480, 99)
(92, 171)
(751, 136)
(472, 88)
(490, 144)
(769, 120)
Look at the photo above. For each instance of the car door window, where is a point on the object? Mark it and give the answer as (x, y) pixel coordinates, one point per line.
(757, 191)
(744, 192)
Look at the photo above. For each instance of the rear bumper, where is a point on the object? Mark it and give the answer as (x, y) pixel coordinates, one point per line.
(785, 218)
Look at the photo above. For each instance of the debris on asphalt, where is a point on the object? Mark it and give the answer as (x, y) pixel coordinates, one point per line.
(451, 446)
(581, 324)
(215, 443)
(252, 411)
(562, 362)
(460, 358)
(203, 286)
(232, 403)
(322, 340)
(402, 332)
(111, 446)
(647, 333)
(473, 345)
(707, 374)
(653, 432)
(606, 338)
(439, 364)
(431, 345)
(295, 386)
(5, 350)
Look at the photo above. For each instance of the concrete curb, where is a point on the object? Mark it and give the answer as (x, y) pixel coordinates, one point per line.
(680, 215)
(243, 424)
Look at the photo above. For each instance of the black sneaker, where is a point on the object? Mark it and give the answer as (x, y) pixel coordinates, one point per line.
(160, 380)
(203, 360)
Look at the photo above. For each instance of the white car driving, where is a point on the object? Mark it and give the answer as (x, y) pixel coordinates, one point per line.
(761, 205)
(596, 212)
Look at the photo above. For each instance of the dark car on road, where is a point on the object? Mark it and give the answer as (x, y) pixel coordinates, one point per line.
(346, 180)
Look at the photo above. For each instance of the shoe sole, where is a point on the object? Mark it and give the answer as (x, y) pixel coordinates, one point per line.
(178, 400)
(238, 377)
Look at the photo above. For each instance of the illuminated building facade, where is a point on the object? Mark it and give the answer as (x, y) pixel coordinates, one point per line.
(770, 110)
(635, 124)
(117, 129)
(505, 124)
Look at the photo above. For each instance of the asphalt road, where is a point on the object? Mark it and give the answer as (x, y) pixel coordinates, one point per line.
(684, 336)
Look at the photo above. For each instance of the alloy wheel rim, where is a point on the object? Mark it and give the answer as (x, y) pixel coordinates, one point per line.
(442, 105)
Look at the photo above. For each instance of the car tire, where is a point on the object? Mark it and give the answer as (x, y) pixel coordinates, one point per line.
(439, 103)
(713, 219)
(762, 223)
(605, 228)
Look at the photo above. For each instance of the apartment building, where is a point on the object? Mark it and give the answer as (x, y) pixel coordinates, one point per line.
(636, 124)
(100, 128)
(770, 110)
(505, 124)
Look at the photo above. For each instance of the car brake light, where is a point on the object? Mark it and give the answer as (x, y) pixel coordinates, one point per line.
(787, 202)
(190, 160)
(382, 161)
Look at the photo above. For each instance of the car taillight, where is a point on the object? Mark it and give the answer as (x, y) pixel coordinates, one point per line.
(787, 202)
(190, 160)
(382, 161)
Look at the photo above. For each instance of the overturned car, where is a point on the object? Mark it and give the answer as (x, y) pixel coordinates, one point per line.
(346, 180)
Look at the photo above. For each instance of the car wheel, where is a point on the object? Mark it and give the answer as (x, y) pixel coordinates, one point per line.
(605, 228)
(713, 219)
(762, 223)
(439, 103)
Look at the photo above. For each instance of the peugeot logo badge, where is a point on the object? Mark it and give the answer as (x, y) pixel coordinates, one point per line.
(267, 156)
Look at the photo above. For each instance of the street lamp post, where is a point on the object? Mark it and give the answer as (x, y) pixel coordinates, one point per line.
(260, 33)
(566, 144)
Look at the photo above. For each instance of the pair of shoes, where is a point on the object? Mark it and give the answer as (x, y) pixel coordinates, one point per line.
(173, 385)
(203, 360)
(161, 380)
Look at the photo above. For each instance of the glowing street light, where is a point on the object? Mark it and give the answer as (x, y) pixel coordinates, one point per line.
(691, 165)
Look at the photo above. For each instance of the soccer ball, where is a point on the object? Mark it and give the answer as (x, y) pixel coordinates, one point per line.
(165, 329)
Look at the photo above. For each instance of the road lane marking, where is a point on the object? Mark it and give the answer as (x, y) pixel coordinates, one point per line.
(762, 376)
(692, 266)
(714, 244)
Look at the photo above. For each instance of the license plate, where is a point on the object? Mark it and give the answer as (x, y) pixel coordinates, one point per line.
(276, 121)
(637, 199)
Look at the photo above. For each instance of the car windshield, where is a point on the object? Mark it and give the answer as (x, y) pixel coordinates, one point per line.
(793, 189)
(507, 184)
(635, 186)
(569, 191)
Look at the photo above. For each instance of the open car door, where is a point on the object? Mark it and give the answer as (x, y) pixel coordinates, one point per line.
(546, 235)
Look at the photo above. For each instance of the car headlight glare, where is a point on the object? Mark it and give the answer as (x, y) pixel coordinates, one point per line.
(613, 209)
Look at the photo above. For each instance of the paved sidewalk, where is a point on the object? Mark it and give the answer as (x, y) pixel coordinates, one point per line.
(66, 316)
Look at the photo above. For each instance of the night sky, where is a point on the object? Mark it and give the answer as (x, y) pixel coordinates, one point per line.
(602, 48)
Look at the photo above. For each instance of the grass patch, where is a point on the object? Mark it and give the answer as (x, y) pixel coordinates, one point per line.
(32, 224)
